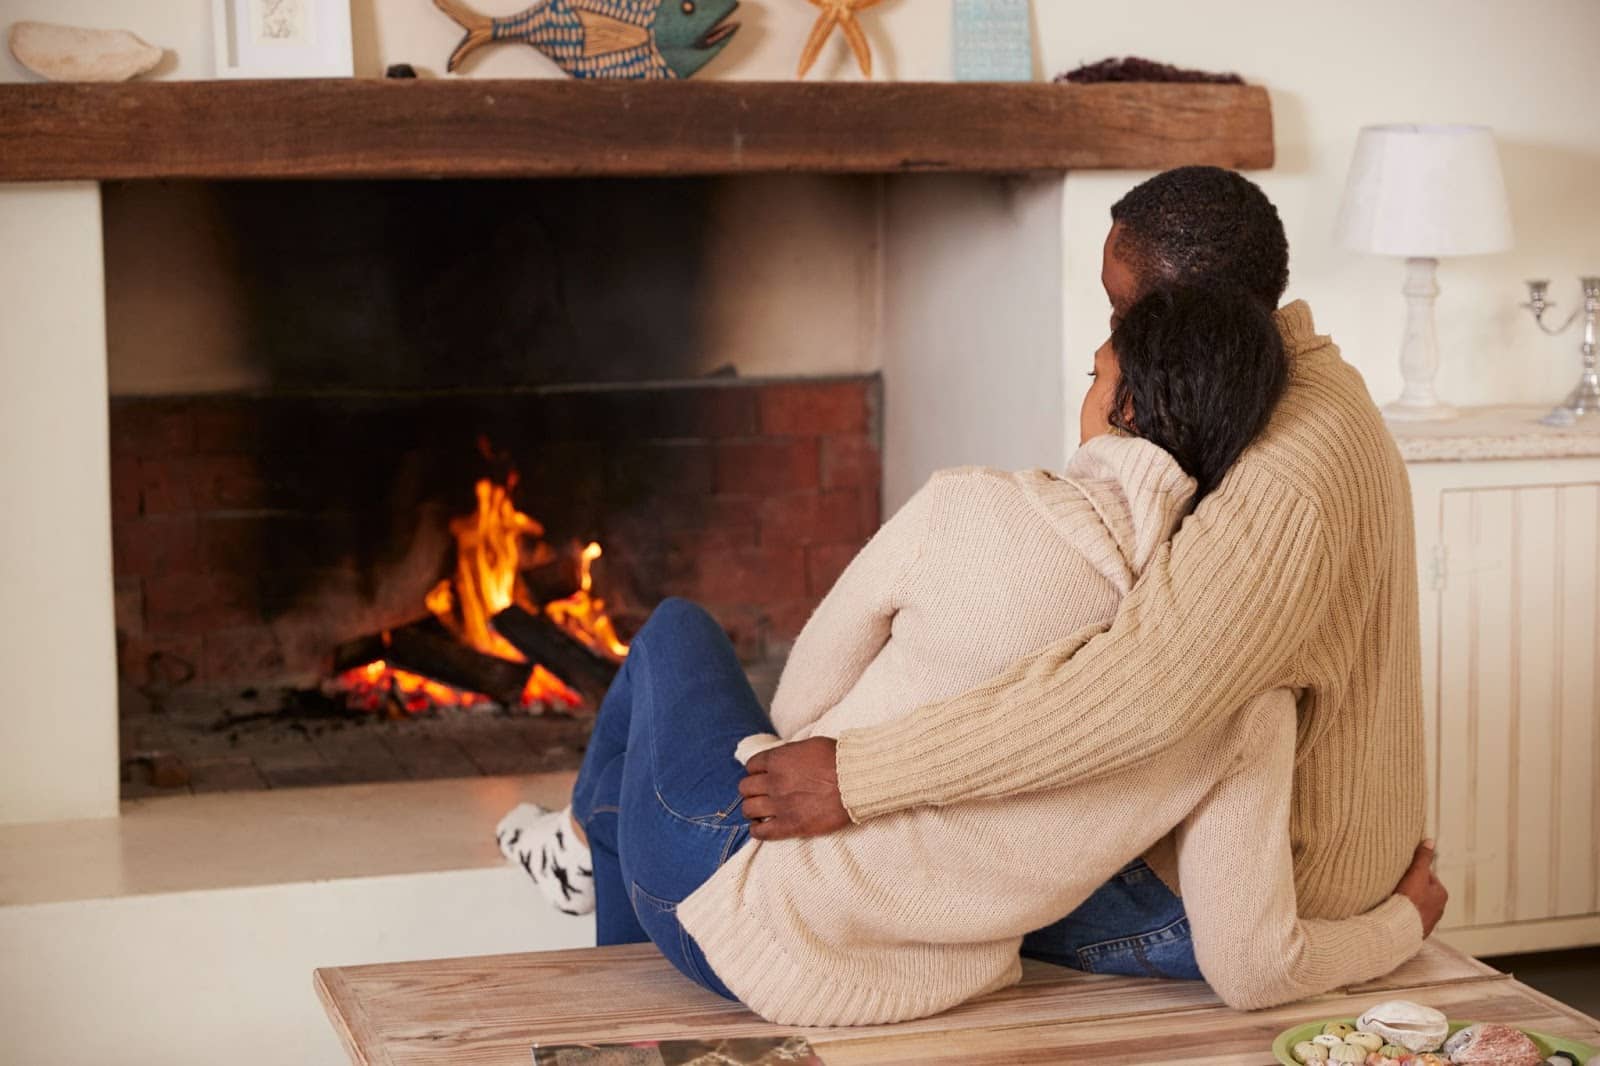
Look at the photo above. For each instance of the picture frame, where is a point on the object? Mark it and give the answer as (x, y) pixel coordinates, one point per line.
(282, 38)
(992, 40)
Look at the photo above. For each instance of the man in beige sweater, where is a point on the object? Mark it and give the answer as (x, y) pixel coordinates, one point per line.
(1298, 572)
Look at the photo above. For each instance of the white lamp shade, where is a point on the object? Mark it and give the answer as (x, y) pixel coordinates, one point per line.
(1425, 191)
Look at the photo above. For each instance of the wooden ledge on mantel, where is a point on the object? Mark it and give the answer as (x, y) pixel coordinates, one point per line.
(537, 128)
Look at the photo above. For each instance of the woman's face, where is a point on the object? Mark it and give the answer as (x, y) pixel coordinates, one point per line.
(1094, 419)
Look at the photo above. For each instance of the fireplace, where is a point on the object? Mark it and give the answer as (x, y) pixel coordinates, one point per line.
(941, 294)
(291, 599)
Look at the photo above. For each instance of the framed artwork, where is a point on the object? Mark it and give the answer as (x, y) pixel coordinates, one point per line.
(282, 38)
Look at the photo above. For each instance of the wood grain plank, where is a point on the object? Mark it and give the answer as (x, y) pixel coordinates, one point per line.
(1576, 788)
(1533, 741)
(1220, 1037)
(1493, 575)
(349, 1017)
(563, 128)
(1457, 693)
(490, 1009)
(1430, 572)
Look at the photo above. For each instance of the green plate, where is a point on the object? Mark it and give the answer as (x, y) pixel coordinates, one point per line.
(1548, 1045)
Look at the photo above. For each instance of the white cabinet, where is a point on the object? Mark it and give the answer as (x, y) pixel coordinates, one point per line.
(1508, 544)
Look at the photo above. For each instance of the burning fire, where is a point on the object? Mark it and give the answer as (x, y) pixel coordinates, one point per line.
(491, 554)
(583, 615)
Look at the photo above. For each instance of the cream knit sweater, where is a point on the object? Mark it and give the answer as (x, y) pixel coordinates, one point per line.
(1298, 572)
(915, 912)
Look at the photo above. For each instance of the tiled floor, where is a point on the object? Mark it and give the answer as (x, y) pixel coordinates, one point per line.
(1571, 976)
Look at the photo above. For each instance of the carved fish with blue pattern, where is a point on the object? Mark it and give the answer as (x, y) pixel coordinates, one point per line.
(607, 38)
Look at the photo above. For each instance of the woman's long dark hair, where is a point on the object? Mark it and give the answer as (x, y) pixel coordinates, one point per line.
(1201, 371)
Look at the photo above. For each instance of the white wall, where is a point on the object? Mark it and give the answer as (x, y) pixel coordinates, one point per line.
(58, 732)
(972, 327)
(1530, 72)
(198, 978)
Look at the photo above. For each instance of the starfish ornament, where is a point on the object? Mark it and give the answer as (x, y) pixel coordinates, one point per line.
(840, 13)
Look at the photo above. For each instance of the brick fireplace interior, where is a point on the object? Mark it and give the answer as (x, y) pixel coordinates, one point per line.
(308, 379)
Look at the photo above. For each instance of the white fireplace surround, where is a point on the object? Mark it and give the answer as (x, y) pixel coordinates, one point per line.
(968, 338)
(58, 737)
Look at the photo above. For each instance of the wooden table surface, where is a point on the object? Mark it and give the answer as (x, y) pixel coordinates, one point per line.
(492, 1009)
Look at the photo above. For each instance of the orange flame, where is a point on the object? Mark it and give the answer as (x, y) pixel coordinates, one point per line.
(488, 579)
(584, 615)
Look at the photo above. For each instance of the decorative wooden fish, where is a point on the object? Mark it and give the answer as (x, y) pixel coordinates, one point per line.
(607, 38)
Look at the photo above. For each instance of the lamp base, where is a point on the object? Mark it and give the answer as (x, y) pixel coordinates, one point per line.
(1419, 351)
(1400, 411)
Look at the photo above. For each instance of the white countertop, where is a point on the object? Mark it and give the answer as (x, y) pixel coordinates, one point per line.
(1510, 432)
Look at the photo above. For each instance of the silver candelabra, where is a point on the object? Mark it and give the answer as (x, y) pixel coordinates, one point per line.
(1585, 398)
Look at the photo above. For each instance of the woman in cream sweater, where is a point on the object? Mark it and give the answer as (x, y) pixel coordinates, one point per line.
(915, 912)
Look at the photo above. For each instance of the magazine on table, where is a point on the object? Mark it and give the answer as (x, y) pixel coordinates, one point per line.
(744, 1051)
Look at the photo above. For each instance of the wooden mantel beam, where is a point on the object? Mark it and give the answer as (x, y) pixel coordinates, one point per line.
(558, 128)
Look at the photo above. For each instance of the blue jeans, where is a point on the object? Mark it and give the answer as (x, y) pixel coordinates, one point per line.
(658, 794)
(1131, 925)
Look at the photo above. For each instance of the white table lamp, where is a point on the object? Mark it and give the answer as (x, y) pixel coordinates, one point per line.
(1424, 192)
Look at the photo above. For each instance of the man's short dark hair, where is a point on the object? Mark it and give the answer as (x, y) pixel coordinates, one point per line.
(1204, 227)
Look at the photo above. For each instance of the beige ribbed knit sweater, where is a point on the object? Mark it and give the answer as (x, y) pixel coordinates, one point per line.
(916, 912)
(1298, 572)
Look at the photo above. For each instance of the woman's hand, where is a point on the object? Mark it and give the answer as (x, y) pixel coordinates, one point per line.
(1422, 887)
(792, 790)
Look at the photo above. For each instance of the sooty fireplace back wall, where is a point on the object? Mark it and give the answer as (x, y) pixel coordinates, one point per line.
(254, 534)
(406, 340)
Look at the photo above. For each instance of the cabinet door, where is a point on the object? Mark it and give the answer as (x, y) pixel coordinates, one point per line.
(1517, 745)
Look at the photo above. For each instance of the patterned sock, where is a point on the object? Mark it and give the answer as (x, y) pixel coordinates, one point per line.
(544, 844)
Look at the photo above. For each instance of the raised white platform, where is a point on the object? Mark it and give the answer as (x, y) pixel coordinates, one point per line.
(186, 930)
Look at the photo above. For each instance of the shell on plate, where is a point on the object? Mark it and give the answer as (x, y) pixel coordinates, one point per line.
(1368, 1042)
(1338, 1029)
(1347, 1053)
(1492, 1044)
(1306, 1052)
(1411, 1025)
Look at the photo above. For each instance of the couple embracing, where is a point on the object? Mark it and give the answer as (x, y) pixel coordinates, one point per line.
(1158, 713)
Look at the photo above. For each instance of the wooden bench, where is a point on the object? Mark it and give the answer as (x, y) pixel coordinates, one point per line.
(492, 1009)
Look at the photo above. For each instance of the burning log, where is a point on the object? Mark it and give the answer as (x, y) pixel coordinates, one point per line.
(354, 654)
(556, 579)
(443, 659)
(547, 644)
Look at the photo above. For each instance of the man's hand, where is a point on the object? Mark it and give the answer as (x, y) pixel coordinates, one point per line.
(793, 791)
(1423, 888)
